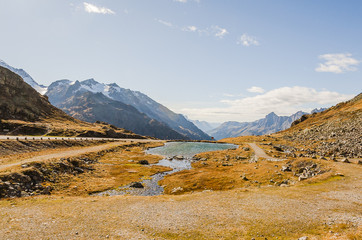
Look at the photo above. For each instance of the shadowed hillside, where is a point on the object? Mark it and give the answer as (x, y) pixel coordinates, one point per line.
(91, 107)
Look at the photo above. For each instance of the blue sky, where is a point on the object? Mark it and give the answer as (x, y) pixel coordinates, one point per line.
(211, 60)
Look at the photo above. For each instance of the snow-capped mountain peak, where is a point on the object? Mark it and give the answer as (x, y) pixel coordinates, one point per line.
(26, 77)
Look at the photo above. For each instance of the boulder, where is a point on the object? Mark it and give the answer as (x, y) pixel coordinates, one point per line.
(136, 185)
(178, 157)
(177, 190)
(345, 160)
(143, 162)
(286, 168)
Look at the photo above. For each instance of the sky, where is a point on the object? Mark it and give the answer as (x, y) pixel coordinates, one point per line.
(212, 60)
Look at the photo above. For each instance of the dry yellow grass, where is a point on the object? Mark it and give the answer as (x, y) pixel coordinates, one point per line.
(114, 169)
(316, 208)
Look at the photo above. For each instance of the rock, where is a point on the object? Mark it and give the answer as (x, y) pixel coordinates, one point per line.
(303, 238)
(246, 149)
(227, 164)
(286, 168)
(244, 178)
(143, 162)
(345, 160)
(24, 165)
(178, 157)
(136, 185)
(177, 189)
(302, 177)
(359, 162)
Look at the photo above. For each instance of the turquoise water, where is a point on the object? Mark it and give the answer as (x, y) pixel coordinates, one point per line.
(188, 149)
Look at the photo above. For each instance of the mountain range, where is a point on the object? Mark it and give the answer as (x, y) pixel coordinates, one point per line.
(92, 107)
(148, 116)
(270, 124)
(25, 111)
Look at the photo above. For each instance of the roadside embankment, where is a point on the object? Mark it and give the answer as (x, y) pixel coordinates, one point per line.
(9, 147)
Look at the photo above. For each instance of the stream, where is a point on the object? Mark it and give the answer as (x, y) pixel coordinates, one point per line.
(178, 156)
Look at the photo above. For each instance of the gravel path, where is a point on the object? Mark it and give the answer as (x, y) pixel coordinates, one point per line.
(260, 153)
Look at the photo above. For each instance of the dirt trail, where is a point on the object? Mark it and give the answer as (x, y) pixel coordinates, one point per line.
(64, 154)
(260, 153)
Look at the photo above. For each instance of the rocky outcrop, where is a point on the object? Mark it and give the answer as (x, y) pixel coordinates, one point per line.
(335, 132)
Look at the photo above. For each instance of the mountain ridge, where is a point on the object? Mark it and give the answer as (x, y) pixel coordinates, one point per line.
(59, 91)
(270, 124)
(92, 107)
(23, 110)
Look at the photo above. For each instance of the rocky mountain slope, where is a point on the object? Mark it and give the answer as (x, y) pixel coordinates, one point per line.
(90, 107)
(24, 111)
(270, 124)
(26, 77)
(335, 132)
(59, 91)
(19, 100)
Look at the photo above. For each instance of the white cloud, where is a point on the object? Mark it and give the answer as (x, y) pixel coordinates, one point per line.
(219, 32)
(168, 24)
(255, 90)
(247, 40)
(190, 29)
(90, 8)
(337, 63)
(283, 101)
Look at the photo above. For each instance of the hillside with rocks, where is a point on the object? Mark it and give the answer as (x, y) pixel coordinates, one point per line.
(19, 100)
(25, 76)
(335, 132)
